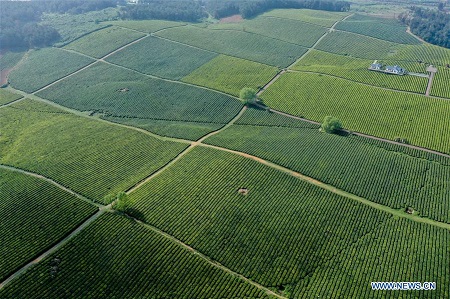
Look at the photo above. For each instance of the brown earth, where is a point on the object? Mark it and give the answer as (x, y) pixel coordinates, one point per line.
(232, 19)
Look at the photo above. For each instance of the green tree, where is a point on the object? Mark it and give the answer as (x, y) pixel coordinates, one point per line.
(248, 95)
(122, 202)
(331, 124)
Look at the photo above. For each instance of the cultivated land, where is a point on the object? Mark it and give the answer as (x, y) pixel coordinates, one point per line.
(247, 203)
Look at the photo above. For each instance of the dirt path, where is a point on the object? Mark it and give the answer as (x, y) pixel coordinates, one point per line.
(11, 103)
(432, 70)
(408, 30)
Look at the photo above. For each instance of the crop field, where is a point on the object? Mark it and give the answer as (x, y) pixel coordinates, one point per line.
(300, 33)
(8, 97)
(35, 214)
(356, 69)
(10, 59)
(88, 156)
(441, 83)
(239, 44)
(379, 28)
(428, 54)
(153, 267)
(280, 231)
(98, 88)
(148, 26)
(318, 17)
(374, 111)
(168, 128)
(351, 164)
(230, 74)
(420, 251)
(260, 117)
(99, 43)
(162, 58)
(43, 67)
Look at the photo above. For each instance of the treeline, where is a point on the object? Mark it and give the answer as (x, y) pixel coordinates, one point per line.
(181, 10)
(19, 20)
(252, 8)
(431, 25)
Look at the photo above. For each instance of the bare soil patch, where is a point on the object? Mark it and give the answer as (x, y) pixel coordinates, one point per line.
(232, 19)
(243, 191)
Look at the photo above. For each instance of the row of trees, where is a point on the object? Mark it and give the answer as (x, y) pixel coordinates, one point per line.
(19, 20)
(431, 25)
(249, 9)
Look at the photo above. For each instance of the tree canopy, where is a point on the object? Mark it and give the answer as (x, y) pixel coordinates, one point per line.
(248, 95)
(331, 124)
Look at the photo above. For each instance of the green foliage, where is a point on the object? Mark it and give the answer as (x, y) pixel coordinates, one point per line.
(283, 229)
(441, 83)
(331, 124)
(117, 256)
(98, 88)
(239, 44)
(382, 113)
(260, 117)
(392, 31)
(356, 69)
(8, 97)
(248, 95)
(148, 26)
(161, 58)
(10, 59)
(88, 156)
(34, 215)
(45, 66)
(318, 17)
(388, 174)
(122, 202)
(102, 42)
(230, 75)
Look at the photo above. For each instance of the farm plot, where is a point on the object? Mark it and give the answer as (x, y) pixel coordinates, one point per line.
(177, 129)
(425, 53)
(318, 17)
(420, 253)
(383, 113)
(148, 26)
(8, 97)
(116, 257)
(35, 214)
(45, 66)
(239, 44)
(382, 175)
(300, 33)
(117, 92)
(380, 28)
(99, 43)
(261, 117)
(356, 69)
(88, 156)
(162, 58)
(260, 222)
(441, 83)
(230, 75)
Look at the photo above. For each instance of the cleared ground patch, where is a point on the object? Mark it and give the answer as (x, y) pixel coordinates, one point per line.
(35, 214)
(99, 43)
(148, 26)
(385, 175)
(239, 44)
(117, 92)
(88, 156)
(356, 69)
(162, 58)
(230, 75)
(383, 113)
(318, 17)
(44, 66)
(276, 233)
(8, 97)
(134, 262)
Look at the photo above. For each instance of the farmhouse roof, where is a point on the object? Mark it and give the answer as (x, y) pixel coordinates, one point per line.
(394, 68)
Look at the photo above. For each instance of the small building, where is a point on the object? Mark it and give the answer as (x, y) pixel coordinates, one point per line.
(395, 70)
(376, 66)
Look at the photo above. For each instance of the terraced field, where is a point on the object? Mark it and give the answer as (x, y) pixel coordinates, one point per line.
(35, 214)
(99, 43)
(230, 75)
(154, 267)
(90, 157)
(43, 67)
(383, 113)
(162, 58)
(356, 69)
(239, 44)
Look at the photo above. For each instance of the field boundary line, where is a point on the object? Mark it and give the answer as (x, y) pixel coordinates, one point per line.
(13, 102)
(41, 177)
(52, 249)
(231, 122)
(395, 212)
(207, 258)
